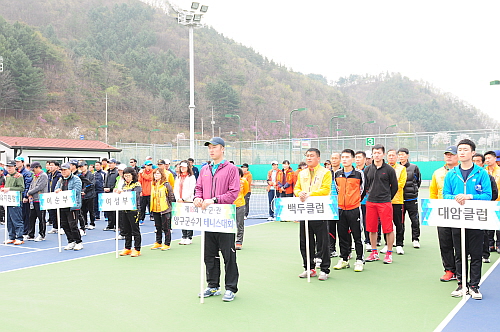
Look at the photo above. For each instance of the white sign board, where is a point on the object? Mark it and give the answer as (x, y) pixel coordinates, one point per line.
(314, 208)
(10, 198)
(62, 199)
(126, 200)
(448, 213)
(215, 218)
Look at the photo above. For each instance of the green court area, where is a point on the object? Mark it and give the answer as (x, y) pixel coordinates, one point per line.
(158, 291)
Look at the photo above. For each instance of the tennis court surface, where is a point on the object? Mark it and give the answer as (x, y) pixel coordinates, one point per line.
(91, 290)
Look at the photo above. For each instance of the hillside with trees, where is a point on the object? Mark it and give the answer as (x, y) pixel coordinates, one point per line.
(63, 57)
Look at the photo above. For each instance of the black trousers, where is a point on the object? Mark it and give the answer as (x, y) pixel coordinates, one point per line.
(145, 201)
(187, 234)
(473, 247)
(318, 238)
(247, 203)
(491, 238)
(35, 214)
(363, 218)
(412, 208)
(26, 217)
(162, 224)
(350, 224)
(225, 243)
(69, 222)
(332, 236)
(445, 237)
(87, 208)
(53, 218)
(399, 223)
(131, 229)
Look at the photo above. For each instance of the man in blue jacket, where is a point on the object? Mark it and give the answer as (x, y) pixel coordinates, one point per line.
(463, 182)
(26, 204)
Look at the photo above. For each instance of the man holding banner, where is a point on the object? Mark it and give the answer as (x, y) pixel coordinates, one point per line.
(218, 183)
(465, 182)
(14, 222)
(69, 216)
(315, 180)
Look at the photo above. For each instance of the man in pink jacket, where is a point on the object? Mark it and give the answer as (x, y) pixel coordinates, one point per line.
(218, 183)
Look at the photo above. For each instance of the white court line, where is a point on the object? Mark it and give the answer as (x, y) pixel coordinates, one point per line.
(104, 253)
(462, 302)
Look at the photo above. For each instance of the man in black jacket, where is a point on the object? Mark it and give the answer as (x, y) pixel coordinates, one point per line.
(382, 186)
(99, 176)
(88, 196)
(413, 181)
(54, 175)
(109, 185)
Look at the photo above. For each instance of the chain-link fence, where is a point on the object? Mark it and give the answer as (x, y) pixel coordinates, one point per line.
(423, 146)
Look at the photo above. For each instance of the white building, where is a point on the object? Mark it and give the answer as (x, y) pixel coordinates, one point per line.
(62, 150)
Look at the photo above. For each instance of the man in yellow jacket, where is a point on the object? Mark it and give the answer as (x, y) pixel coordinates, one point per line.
(397, 202)
(444, 233)
(315, 180)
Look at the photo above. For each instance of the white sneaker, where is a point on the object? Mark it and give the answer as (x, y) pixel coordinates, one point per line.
(384, 250)
(52, 231)
(400, 250)
(322, 276)
(416, 244)
(39, 238)
(78, 246)
(245, 217)
(358, 266)
(182, 241)
(91, 227)
(270, 219)
(188, 241)
(82, 232)
(121, 237)
(342, 264)
(70, 246)
(61, 231)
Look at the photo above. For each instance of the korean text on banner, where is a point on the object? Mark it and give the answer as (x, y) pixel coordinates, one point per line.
(62, 199)
(215, 218)
(314, 208)
(448, 213)
(10, 198)
(125, 200)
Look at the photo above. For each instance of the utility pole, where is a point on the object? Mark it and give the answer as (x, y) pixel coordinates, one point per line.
(213, 124)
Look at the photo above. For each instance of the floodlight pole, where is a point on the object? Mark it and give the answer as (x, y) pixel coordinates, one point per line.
(191, 92)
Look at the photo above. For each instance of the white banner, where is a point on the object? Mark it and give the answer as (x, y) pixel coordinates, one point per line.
(215, 218)
(62, 199)
(126, 200)
(10, 198)
(314, 208)
(448, 213)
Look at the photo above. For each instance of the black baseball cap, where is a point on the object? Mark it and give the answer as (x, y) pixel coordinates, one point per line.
(36, 164)
(82, 163)
(215, 141)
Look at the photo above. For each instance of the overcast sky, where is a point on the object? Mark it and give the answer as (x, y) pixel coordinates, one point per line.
(454, 45)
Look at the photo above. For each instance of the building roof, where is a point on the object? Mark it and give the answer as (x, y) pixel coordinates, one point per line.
(33, 143)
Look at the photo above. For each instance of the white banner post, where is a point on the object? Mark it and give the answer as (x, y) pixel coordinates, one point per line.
(465, 261)
(202, 267)
(117, 231)
(5, 208)
(308, 252)
(59, 229)
(219, 218)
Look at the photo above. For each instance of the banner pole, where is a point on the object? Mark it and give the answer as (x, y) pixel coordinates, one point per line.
(202, 266)
(308, 253)
(6, 222)
(117, 231)
(59, 229)
(465, 261)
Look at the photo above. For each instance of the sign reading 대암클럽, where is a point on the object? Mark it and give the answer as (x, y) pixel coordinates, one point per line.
(448, 213)
(215, 218)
